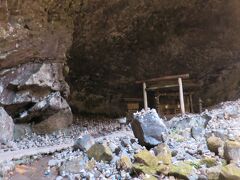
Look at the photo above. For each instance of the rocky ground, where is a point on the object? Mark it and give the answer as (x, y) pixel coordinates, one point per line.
(194, 146)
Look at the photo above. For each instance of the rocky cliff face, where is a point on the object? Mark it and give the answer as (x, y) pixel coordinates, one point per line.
(34, 38)
(109, 45)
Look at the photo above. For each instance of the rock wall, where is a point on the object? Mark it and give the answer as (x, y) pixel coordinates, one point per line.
(109, 45)
(118, 42)
(34, 38)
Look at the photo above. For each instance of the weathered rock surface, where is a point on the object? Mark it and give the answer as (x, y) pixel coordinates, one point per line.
(149, 128)
(181, 170)
(6, 126)
(51, 114)
(232, 151)
(34, 38)
(124, 163)
(100, 152)
(21, 130)
(230, 172)
(163, 153)
(84, 143)
(214, 143)
(73, 166)
(213, 173)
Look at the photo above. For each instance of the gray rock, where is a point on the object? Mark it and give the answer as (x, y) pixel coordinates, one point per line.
(197, 132)
(148, 128)
(53, 113)
(22, 86)
(5, 168)
(84, 143)
(232, 151)
(125, 142)
(6, 126)
(21, 130)
(73, 166)
(100, 152)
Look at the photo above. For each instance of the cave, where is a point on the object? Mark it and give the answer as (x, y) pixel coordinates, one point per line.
(119, 89)
(118, 43)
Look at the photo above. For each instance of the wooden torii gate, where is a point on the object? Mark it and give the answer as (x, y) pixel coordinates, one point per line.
(177, 77)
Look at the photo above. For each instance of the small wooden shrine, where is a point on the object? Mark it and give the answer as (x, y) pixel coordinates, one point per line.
(172, 94)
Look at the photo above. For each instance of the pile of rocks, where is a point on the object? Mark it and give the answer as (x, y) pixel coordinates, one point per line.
(107, 158)
(194, 146)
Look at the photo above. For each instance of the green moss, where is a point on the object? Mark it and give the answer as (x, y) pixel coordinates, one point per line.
(145, 157)
(230, 172)
(181, 170)
(150, 177)
(209, 162)
(213, 173)
(141, 168)
(163, 154)
(196, 164)
(100, 152)
(214, 143)
(233, 144)
(125, 163)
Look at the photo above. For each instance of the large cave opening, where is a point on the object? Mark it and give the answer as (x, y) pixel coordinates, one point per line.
(118, 42)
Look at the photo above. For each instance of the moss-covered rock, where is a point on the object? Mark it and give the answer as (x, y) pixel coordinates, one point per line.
(230, 172)
(90, 164)
(146, 158)
(100, 152)
(149, 177)
(209, 161)
(163, 154)
(124, 163)
(181, 170)
(142, 168)
(213, 173)
(214, 143)
(232, 151)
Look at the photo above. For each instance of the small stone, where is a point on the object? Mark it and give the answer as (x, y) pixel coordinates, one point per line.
(232, 151)
(197, 132)
(163, 153)
(6, 126)
(124, 163)
(230, 172)
(181, 170)
(84, 143)
(214, 143)
(213, 173)
(52, 162)
(72, 166)
(125, 142)
(59, 178)
(209, 162)
(100, 152)
(145, 157)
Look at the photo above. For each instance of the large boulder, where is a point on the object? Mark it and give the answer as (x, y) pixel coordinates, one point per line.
(148, 128)
(23, 86)
(51, 114)
(6, 126)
